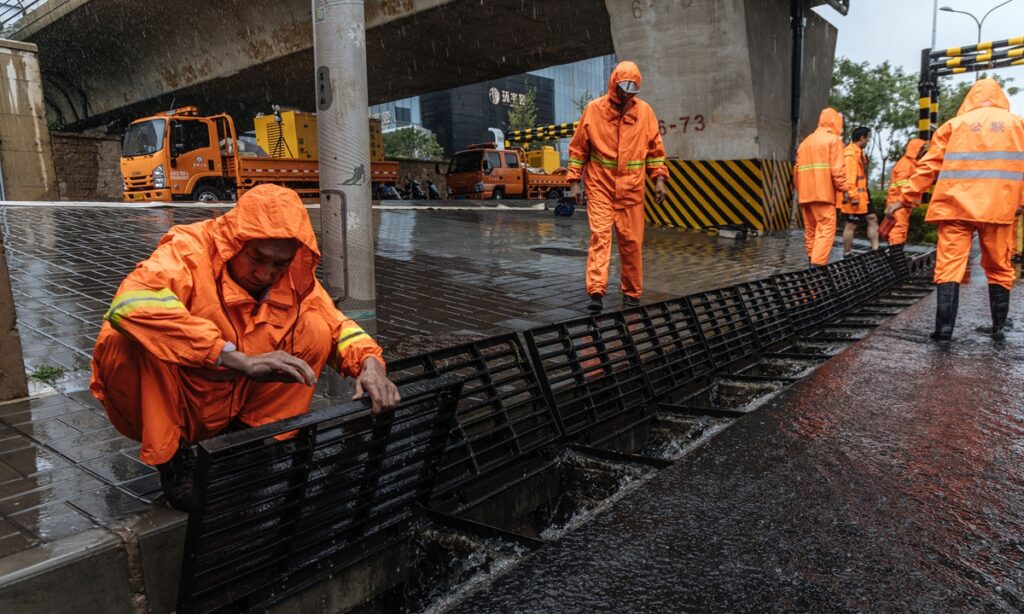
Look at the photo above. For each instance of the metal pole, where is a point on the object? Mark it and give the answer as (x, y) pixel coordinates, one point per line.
(343, 135)
(935, 20)
(796, 18)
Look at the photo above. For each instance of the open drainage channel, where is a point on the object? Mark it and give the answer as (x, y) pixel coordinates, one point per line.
(504, 444)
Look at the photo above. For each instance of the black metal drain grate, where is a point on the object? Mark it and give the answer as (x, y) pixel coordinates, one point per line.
(270, 516)
(766, 311)
(728, 333)
(668, 341)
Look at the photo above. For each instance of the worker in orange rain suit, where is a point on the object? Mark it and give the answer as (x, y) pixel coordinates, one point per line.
(819, 175)
(857, 210)
(901, 172)
(616, 140)
(979, 159)
(225, 326)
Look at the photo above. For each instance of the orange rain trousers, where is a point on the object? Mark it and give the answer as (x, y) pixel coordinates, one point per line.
(954, 249)
(898, 234)
(629, 233)
(819, 230)
(157, 403)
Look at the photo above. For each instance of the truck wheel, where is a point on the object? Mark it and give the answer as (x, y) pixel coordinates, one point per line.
(554, 194)
(205, 193)
(499, 193)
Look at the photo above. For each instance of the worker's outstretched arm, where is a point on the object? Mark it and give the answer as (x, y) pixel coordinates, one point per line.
(928, 167)
(151, 307)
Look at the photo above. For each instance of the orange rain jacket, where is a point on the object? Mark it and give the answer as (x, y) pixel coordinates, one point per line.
(820, 170)
(979, 158)
(855, 164)
(903, 169)
(181, 307)
(615, 148)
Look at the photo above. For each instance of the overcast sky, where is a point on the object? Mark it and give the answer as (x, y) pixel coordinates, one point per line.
(897, 30)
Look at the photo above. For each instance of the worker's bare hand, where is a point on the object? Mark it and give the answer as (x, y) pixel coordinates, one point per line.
(373, 381)
(659, 190)
(846, 197)
(276, 366)
(574, 192)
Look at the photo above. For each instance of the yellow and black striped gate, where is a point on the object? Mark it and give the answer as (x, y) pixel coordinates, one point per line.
(709, 193)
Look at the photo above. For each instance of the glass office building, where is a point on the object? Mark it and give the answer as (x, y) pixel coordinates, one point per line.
(572, 82)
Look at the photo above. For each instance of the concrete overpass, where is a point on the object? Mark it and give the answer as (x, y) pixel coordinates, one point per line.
(727, 61)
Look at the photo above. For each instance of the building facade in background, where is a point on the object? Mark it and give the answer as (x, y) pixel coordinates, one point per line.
(462, 115)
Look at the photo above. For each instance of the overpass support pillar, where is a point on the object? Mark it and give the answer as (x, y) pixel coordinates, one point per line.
(343, 135)
(718, 74)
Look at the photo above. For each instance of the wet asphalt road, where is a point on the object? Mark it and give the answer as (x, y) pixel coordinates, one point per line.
(890, 479)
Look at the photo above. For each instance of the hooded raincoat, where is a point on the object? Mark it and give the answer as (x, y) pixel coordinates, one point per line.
(901, 172)
(155, 365)
(976, 160)
(613, 150)
(819, 175)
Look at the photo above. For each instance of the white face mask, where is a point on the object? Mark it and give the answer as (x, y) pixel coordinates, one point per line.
(629, 87)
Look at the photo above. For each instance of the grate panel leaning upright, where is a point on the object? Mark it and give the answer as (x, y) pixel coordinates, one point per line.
(851, 279)
(767, 312)
(270, 517)
(728, 332)
(502, 411)
(668, 341)
(809, 297)
(590, 371)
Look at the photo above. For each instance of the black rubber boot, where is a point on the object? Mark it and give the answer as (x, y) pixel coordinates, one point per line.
(176, 477)
(630, 301)
(999, 303)
(947, 303)
(596, 304)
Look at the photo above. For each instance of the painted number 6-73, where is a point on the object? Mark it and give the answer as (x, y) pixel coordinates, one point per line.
(684, 123)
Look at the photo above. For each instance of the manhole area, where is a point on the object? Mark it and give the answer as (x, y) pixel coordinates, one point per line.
(560, 251)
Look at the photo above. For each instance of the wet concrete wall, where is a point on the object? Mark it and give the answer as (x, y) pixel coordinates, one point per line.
(87, 166)
(722, 89)
(12, 367)
(24, 140)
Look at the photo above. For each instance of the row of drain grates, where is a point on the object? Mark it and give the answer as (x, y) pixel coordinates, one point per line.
(490, 435)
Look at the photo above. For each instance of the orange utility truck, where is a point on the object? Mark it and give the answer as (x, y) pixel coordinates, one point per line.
(484, 171)
(181, 155)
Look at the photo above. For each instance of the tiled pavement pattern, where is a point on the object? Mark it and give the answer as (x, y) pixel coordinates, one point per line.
(443, 277)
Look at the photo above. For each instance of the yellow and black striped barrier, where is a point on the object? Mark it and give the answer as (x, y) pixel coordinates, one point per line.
(540, 133)
(983, 56)
(709, 193)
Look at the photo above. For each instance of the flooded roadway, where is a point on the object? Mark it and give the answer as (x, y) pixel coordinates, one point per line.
(889, 479)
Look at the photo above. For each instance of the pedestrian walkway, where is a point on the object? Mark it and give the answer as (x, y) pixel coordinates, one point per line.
(890, 479)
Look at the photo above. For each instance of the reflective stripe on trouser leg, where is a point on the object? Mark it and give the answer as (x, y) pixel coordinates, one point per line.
(601, 217)
(952, 251)
(629, 234)
(997, 253)
(898, 234)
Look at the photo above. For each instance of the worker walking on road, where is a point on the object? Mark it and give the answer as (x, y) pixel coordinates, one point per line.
(225, 326)
(901, 172)
(616, 141)
(820, 175)
(979, 159)
(857, 210)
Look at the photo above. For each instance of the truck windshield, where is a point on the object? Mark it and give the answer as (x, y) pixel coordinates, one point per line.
(144, 138)
(466, 161)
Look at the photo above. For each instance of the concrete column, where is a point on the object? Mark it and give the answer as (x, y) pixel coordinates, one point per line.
(343, 137)
(25, 157)
(12, 365)
(717, 72)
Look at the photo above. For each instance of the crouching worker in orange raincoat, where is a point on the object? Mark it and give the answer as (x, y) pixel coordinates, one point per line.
(225, 326)
(979, 159)
(617, 139)
(901, 173)
(820, 174)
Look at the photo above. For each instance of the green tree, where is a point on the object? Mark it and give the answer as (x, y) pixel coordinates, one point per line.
(584, 99)
(882, 98)
(524, 115)
(412, 144)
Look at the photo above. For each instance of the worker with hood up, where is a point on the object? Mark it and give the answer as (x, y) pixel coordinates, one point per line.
(820, 174)
(901, 172)
(224, 327)
(978, 157)
(616, 141)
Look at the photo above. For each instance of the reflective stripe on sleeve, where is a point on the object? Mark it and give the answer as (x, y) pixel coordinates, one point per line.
(811, 167)
(576, 162)
(984, 155)
(127, 302)
(655, 161)
(349, 336)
